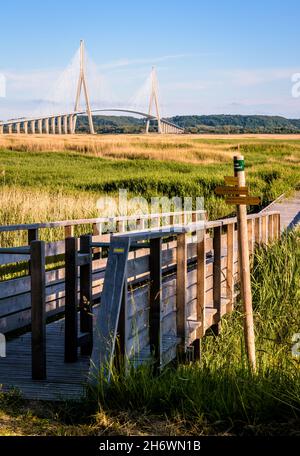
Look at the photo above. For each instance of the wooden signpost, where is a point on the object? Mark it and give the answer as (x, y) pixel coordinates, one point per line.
(227, 190)
(248, 201)
(238, 194)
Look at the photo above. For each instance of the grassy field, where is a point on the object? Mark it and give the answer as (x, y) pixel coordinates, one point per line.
(45, 178)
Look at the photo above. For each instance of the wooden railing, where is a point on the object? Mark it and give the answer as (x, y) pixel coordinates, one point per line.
(15, 294)
(198, 274)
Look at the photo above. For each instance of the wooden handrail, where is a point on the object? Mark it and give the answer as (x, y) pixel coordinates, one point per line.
(67, 223)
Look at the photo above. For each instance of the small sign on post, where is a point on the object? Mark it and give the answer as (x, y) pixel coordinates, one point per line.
(238, 194)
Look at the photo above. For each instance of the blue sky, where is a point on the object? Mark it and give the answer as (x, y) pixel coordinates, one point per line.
(211, 57)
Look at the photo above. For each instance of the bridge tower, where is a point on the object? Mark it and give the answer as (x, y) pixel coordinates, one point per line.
(83, 84)
(154, 99)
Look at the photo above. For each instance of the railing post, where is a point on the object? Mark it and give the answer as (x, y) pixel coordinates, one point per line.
(257, 230)
(270, 228)
(38, 310)
(181, 286)
(278, 229)
(230, 264)
(264, 229)
(250, 235)
(155, 331)
(69, 231)
(97, 231)
(32, 235)
(86, 294)
(121, 354)
(71, 300)
(201, 289)
(120, 226)
(217, 271)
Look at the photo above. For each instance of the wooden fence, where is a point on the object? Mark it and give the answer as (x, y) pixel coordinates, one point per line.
(15, 294)
(195, 266)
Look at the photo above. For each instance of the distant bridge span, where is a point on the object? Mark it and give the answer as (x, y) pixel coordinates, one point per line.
(66, 123)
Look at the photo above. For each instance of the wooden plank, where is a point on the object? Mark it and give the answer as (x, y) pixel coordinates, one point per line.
(230, 263)
(69, 231)
(201, 280)
(155, 330)
(32, 235)
(250, 236)
(276, 226)
(86, 294)
(123, 327)
(181, 284)
(217, 270)
(71, 300)
(270, 228)
(257, 230)
(231, 180)
(108, 315)
(227, 190)
(247, 200)
(38, 320)
(264, 229)
(13, 258)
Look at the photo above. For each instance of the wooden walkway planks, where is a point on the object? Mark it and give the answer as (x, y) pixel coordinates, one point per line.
(289, 209)
(64, 380)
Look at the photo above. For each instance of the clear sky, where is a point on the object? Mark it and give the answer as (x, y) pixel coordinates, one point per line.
(216, 56)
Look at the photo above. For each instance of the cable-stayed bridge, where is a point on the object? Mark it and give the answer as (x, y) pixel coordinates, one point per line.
(64, 120)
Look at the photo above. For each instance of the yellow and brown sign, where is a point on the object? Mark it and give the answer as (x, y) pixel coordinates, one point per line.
(231, 180)
(248, 200)
(228, 190)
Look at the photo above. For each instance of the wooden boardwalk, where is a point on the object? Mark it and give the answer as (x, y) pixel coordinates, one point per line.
(207, 271)
(68, 381)
(289, 209)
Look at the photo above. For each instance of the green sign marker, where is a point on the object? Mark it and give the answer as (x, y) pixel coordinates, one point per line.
(239, 165)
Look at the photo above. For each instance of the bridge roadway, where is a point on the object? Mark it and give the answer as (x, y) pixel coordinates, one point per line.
(66, 123)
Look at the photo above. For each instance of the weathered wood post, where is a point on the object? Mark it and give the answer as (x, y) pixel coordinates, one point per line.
(217, 275)
(230, 264)
(270, 228)
(123, 328)
(69, 231)
(155, 332)
(201, 290)
(264, 229)
(71, 300)
(38, 311)
(243, 246)
(250, 235)
(181, 286)
(257, 230)
(32, 235)
(86, 294)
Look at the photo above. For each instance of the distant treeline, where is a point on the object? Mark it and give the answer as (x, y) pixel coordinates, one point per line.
(197, 124)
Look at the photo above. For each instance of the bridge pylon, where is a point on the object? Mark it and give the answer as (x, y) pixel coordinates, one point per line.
(83, 84)
(154, 100)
